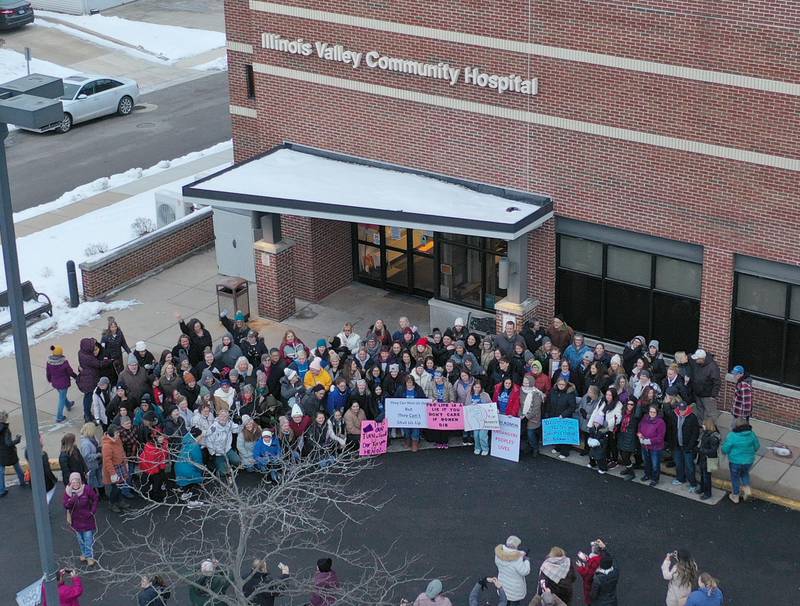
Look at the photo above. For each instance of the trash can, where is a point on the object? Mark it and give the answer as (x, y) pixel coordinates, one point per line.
(233, 294)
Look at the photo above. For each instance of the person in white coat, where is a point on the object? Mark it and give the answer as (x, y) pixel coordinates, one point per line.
(512, 568)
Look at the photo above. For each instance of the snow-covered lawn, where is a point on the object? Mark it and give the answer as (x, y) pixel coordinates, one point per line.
(43, 254)
(12, 66)
(169, 43)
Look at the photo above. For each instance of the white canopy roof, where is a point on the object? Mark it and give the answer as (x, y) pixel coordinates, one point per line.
(299, 181)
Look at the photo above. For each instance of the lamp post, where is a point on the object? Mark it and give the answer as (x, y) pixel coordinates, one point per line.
(32, 102)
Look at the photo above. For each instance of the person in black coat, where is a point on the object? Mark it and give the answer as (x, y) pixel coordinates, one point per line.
(8, 453)
(70, 460)
(627, 440)
(533, 333)
(687, 436)
(260, 588)
(604, 583)
(561, 402)
(199, 338)
(154, 592)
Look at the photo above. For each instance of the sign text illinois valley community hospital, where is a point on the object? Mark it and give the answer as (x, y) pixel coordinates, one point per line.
(375, 60)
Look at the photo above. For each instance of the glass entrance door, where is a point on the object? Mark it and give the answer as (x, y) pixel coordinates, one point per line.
(395, 258)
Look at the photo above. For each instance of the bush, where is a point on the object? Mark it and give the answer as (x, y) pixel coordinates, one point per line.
(142, 226)
(95, 249)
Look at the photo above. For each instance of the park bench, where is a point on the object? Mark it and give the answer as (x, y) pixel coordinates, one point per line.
(32, 304)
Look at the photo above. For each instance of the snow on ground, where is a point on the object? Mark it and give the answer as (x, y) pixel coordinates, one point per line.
(99, 185)
(12, 66)
(220, 64)
(169, 43)
(43, 254)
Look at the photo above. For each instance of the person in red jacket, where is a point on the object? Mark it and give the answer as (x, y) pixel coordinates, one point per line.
(506, 395)
(587, 565)
(68, 593)
(153, 464)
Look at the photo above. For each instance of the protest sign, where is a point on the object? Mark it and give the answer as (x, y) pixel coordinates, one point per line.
(481, 416)
(505, 440)
(446, 416)
(560, 431)
(374, 438)
(407, 413)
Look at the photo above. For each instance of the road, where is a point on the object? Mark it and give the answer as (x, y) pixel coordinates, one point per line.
(168, 123)
(452, 508)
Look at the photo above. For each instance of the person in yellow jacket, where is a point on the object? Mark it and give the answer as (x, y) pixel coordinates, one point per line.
(317, 375)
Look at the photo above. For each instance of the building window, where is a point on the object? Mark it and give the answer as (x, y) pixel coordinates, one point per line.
(251, 81)
(611, 292)
(766, 328)
(468, 270)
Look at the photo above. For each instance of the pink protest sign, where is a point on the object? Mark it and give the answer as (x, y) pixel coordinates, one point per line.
(373, 438)
(446, 416)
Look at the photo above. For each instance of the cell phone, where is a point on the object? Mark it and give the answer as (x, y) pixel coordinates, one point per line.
(543, 584)
(582, 555)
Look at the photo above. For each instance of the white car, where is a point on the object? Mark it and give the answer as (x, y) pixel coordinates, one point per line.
(88, 97)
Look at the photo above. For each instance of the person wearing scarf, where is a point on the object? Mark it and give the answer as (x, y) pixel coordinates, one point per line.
(558, 574)
(532, 401)
(686, 439)
(80, 501)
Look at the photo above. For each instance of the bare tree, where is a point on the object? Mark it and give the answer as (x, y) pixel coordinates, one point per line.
(309, 513)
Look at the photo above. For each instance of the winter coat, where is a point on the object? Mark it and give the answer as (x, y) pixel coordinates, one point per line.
(562, 403)
(8, 447)
(709, 446)
(217, 583)
(706, 380)
(741, 445)
(743, 397)
(68, 593)
(289, 390)
(226, 357)
(220, 437)
(154, 458)
(197, 344)
(72, 463)
(653, 430)
(512, 410)
(604, 587)
(59, 372)
(113, 344)
(138, 383)
(705, 597)
(626, 434)
(113, 457)
(90, 451)
(512, 568)
(352, 421)
(82, 509)
(449, 394)
(153, 596)
(689, 431)
(337, 399)
(676, 591)
(263, 452)
(258, 580)
(89, 366)
(586, 570)
(323, 582)
(564, 587)
(561, 338)
(189, 466)
(532, 403)
(585, 410)
(100, 402)
(574, 355)
(506, 344)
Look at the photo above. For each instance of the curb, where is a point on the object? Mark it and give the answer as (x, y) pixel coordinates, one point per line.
(99, 35)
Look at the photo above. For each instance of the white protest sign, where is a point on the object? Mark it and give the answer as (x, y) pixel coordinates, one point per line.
(407, 413)
(481, 416)
(505, 441)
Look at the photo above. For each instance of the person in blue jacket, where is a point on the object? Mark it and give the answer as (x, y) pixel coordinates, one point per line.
(338, 397)
(189, 466)
(267, 454)
(707, 594)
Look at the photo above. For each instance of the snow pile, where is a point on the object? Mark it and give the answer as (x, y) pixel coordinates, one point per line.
(12, 66)
(220, 64)
(117, 180)
(167, 43)
(43, 254)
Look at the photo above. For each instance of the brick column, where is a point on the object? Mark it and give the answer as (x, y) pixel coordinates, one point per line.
(518, 312)
(542, 269)
(716, 304)
(274, 283)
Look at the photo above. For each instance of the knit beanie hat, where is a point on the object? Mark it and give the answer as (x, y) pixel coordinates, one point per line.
(57, 350)
(297, 411)
(132, 359)
(315, 364)
(434, 588)
(513, 541)
(324, 564)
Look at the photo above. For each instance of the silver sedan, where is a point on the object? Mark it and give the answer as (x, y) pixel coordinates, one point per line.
(88, 97)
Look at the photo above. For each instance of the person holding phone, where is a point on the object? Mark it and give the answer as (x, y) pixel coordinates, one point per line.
(587, 565)
(558, 575)
(512, 568)
(259, 586)
(483, 584)
(70, 588)
(680, 571)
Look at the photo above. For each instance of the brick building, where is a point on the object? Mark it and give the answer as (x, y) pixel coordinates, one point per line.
(649, 150)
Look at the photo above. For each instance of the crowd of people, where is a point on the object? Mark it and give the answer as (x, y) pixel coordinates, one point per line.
(163, 423)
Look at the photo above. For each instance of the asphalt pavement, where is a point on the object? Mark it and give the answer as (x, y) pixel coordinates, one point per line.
(167, 123)
(453, 508)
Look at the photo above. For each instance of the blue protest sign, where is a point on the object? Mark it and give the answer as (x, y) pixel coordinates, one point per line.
(560, 431)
